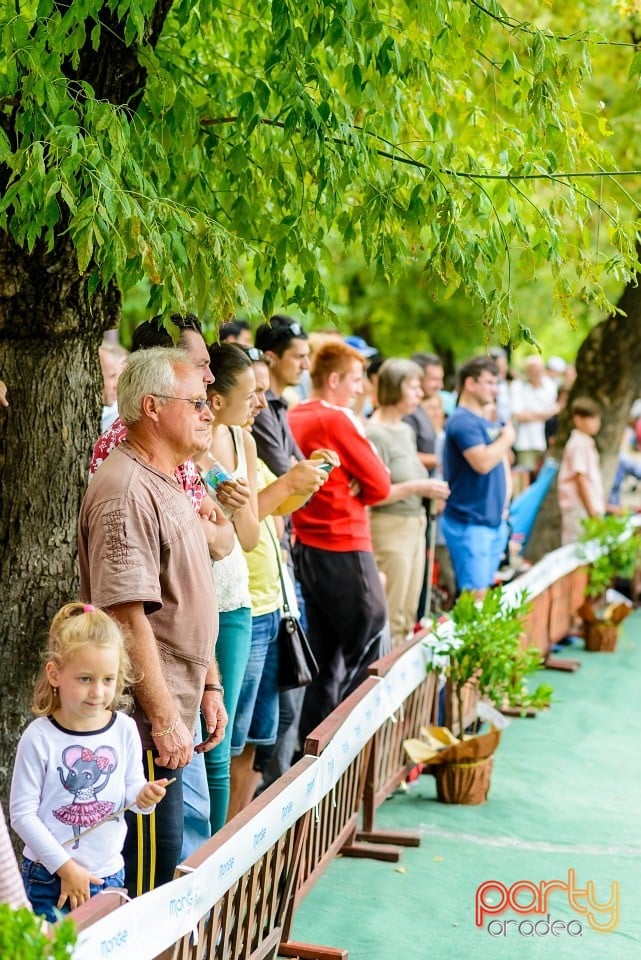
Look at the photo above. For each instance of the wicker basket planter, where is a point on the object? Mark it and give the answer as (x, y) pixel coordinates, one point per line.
(619, 548)
(481, 650)
(467, 783)
(463, 770)
(601, 636)
(602, 632)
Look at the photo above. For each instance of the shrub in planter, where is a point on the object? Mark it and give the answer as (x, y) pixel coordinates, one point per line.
(613, 553)
(486, 650)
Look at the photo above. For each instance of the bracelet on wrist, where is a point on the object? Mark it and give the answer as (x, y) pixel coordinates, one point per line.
(167, 730)
(214, 688)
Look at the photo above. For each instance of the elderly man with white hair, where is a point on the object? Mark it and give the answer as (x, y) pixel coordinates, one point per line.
(533, 402)
(144, 558)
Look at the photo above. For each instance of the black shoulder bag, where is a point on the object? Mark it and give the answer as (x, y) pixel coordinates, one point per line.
(297, 665)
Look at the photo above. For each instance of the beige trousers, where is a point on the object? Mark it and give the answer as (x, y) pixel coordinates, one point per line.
(399, 549)
(571, 528)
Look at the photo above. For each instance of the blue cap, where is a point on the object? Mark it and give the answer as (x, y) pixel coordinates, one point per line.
(362, 346)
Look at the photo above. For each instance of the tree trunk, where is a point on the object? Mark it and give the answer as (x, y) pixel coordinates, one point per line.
(49, 337)
(608, 368)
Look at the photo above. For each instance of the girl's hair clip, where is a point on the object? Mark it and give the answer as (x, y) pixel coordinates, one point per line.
(88, 608)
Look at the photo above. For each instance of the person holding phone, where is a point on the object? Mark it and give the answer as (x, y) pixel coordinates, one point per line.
(333, 557)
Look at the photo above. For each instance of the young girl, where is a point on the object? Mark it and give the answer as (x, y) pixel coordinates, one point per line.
(78, 765)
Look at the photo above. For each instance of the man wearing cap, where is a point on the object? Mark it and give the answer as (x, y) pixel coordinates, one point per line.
(362, 346)
(365, 404)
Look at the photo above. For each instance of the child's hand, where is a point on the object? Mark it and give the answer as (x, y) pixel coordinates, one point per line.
(152, 793)
(74, 884)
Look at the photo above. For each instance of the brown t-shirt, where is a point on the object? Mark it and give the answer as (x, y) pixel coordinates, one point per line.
(139, 539)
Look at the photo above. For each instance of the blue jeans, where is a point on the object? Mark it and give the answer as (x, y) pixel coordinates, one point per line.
(196, 824)
(256, 718)
(232, 654)
(626, 467)
(476, 551)
(43, 888)
(275, 761)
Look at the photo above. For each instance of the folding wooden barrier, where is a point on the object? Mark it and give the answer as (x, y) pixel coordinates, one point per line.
(537, 623)
(253, 919)
(566, 596)
(333, 826)
(388, 764)
(247, 922)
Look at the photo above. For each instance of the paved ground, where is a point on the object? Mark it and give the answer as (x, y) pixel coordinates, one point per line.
(565, 796)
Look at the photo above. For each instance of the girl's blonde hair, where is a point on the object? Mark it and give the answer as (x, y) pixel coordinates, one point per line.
(75, 626)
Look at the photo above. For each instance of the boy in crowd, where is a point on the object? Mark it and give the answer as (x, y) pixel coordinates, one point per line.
(580, 485)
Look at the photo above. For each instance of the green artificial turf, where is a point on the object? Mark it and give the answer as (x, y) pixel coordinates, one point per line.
(565, 795)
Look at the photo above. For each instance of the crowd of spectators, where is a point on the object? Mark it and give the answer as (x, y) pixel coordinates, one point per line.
(230, 478)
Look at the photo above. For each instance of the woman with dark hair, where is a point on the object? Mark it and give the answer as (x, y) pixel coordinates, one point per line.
(256, 722)
(233, 449)
(247, 581)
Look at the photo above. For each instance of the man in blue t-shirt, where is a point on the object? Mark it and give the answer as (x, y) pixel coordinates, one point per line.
(475, 465)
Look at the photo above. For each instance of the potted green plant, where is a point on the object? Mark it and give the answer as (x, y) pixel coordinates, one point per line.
(485, 649)
(613, 553)
(24, 936)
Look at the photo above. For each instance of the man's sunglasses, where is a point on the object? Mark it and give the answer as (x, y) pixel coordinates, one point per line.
(199, 404)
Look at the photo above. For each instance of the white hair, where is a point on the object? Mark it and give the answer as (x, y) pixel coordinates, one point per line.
(147, 372)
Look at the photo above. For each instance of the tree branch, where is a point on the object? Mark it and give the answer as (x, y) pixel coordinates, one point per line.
(402, 157)
(520, 25)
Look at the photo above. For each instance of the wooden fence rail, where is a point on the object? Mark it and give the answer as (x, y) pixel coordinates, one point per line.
(327, 803)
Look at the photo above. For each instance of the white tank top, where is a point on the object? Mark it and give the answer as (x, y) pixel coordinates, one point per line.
(230, 573)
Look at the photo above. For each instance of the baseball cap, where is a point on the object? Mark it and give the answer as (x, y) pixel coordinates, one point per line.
(362, 346)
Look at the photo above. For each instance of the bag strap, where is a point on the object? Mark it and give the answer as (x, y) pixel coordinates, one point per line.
(285, 607)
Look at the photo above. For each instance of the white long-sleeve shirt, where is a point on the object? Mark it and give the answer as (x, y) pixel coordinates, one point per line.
(64, 781)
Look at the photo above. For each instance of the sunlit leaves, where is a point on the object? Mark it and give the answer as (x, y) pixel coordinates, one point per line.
(269, 132)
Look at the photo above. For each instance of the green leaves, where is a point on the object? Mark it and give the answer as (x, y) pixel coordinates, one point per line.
(489, 649)
(635, 69)
(431, 133)
(619, 549)
(24, 937)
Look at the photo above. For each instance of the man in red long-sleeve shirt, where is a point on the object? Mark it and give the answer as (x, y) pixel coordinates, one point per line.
(333, 554)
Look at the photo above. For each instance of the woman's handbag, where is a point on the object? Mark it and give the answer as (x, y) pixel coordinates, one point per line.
(297, 665)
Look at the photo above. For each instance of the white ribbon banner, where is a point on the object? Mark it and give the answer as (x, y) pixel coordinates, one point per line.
(144, 927)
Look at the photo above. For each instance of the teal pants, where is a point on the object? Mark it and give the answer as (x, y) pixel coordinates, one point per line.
(232, 654)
